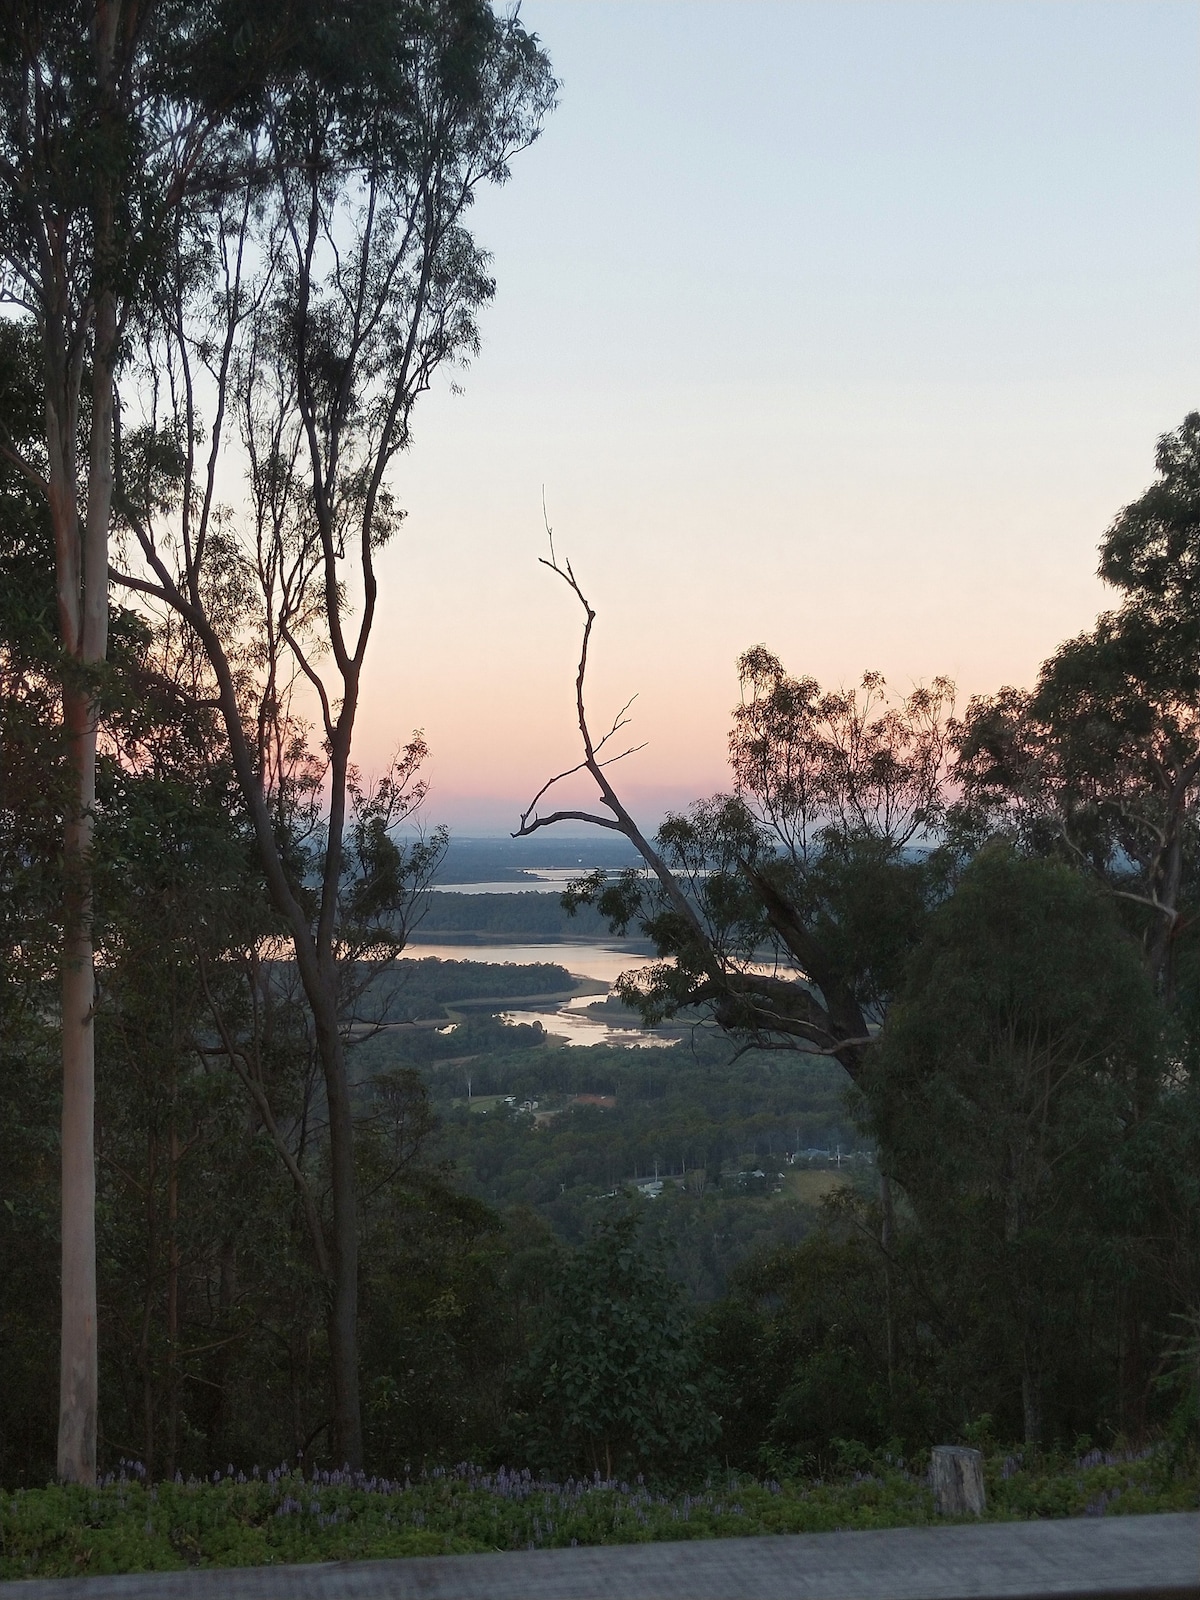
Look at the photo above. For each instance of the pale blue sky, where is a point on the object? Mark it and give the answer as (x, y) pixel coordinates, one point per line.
(847, 327)
(849, 191)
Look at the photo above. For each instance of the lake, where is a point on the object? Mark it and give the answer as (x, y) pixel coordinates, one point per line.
(547, 880)
(571, 1022)
(603, 962)
(550, 880)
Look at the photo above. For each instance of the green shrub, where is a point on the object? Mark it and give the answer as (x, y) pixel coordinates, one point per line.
(127, 1525)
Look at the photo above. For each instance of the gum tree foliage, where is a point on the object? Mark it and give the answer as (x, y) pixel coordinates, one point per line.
(31, 784)
(447, 1293)
(1019, 1090)
(187, 1183)
(211, 1311)
(612, 1384)
(214, 1174)
(1099, 765)
(297, 323)
(1100, 761)
(800, 1358)
(32, 789)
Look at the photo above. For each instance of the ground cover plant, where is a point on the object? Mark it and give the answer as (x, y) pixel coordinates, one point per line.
(127, 1524)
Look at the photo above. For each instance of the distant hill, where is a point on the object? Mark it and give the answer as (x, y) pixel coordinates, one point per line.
(412, 990)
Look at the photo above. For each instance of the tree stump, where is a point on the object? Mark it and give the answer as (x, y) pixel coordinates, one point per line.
(956, 1478)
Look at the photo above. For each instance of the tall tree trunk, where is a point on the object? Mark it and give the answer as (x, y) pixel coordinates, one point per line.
(173, 1287)
(1031, 1406)
(887, 1234)
(81, 577)
(318, 976)
(81, 559)
(343, 1303)
(78, 1373)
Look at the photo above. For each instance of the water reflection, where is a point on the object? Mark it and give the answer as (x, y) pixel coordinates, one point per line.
(543, 880)
(571, 1022)
(604, 962)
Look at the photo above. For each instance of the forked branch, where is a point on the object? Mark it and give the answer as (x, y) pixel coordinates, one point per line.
(743, 1000)
(618, 819)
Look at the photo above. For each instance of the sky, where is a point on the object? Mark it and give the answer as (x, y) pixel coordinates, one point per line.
(842, 327)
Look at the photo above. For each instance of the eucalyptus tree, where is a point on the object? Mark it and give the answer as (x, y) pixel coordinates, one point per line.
(614, 1382)
(788, 908)
(295, 327)
(800, 907)
(130, 130)
(1018, 1089)
(114, 118)
(819, 860)
(1100, 760)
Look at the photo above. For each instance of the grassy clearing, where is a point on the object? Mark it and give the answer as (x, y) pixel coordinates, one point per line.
(482, 1103)
(127, 1525)
(813, 1186)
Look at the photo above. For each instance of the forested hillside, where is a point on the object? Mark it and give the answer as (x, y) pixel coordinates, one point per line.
(417, 989)
(528, 915)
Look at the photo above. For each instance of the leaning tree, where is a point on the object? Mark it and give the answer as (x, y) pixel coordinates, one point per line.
(816, 854)
(786, 909)
(814, 857)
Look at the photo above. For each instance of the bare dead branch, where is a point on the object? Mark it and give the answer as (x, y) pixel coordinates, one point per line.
(763, 1006)
(566, 816)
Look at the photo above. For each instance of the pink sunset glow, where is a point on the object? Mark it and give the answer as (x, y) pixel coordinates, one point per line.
(888, 430)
